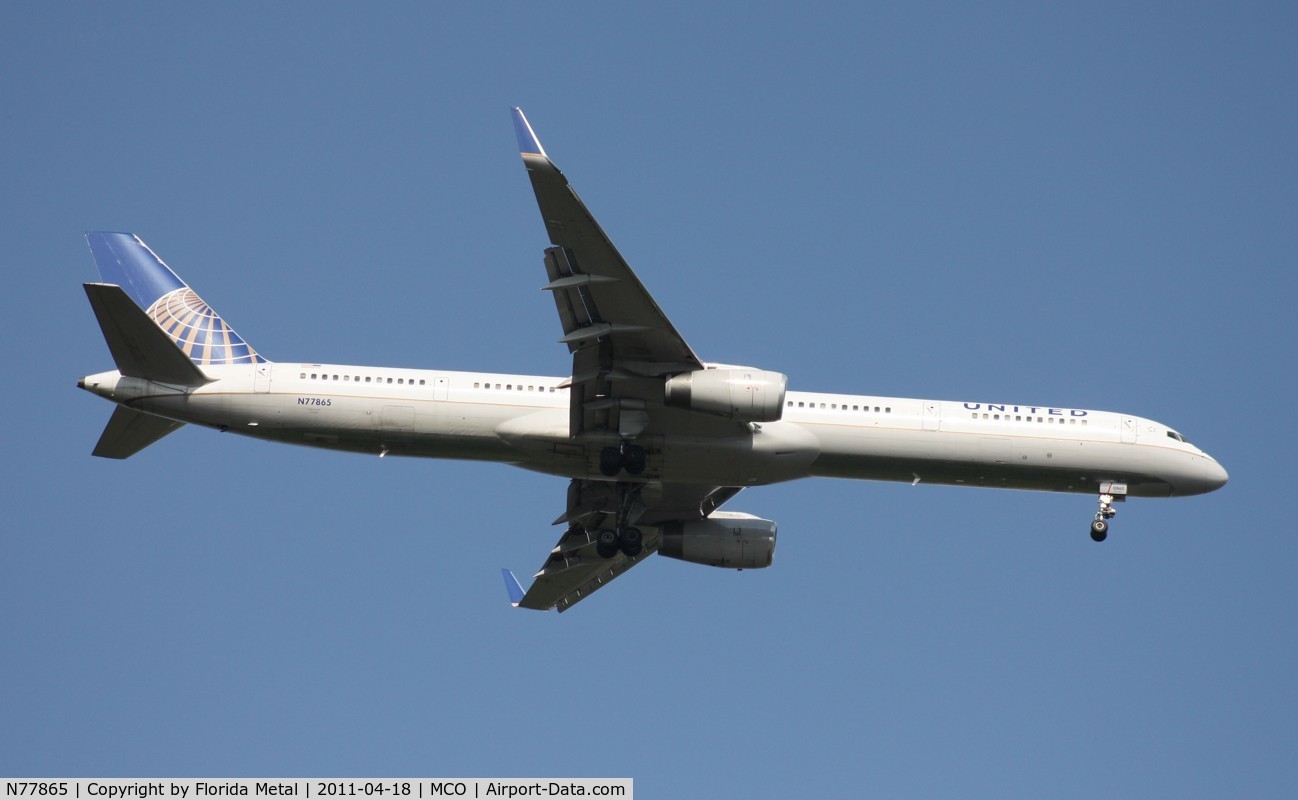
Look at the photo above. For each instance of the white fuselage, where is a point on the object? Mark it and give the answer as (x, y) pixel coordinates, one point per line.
(524, 420)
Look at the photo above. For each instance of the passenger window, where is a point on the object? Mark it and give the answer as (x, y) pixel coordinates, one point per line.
(303, 375)
(389, 380)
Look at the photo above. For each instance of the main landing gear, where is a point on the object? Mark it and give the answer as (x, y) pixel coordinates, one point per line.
(1110, 492)
(622, 537)
(626, 456)
(626, 539)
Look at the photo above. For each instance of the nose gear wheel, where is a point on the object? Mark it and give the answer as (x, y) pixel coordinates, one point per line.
(1110, 492)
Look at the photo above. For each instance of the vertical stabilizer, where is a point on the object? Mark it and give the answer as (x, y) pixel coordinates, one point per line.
(199, 331)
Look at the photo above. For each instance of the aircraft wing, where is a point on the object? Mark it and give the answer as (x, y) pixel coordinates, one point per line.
(623, 350)
(573, 570)
(622, 343)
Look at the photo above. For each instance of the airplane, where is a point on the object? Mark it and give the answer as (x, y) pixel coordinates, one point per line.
(653, 439)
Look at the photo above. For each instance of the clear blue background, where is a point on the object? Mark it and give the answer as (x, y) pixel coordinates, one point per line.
(1089, 205)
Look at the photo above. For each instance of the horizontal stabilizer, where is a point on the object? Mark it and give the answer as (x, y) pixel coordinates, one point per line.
(129, 431)
(140, 348)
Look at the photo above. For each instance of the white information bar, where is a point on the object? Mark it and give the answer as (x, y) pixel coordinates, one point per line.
(307, 788)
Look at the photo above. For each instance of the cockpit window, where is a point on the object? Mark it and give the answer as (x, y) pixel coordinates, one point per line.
(1177, 436)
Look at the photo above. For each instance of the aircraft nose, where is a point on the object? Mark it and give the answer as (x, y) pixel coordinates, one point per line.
(1205, 476)
(1216, 476)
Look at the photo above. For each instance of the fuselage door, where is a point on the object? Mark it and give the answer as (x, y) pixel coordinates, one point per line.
(1129, 430)
(439, 388)
(932, 415)
(261, 378)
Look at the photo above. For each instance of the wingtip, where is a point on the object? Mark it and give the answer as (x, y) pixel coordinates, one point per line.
(527, 141)
(512, 586)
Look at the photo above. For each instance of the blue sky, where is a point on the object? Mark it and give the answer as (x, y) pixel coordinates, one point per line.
(1087, 205)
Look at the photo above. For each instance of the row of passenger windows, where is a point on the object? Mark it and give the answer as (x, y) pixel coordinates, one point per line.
(1020, 418)
(319, 376)
(510, 387)
(358, 379)
(842, 407)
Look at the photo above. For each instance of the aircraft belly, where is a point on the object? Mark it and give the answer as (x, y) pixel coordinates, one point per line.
(200, 409)
(775, 452)
(1001, 462)
(772, 453)
(440, 429)
(390, 426)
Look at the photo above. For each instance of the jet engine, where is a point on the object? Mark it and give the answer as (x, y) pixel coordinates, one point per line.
(747, 395)
(725, 539)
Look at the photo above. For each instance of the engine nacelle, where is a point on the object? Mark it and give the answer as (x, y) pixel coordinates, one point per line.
(725, 539)
(748, 395)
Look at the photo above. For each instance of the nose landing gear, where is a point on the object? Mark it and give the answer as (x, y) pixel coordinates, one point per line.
(1110, 492)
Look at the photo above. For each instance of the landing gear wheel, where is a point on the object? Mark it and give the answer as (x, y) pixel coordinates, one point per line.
(1099, 530)
(610, 461)
(633, 459)
(606, 544)
(632, 542)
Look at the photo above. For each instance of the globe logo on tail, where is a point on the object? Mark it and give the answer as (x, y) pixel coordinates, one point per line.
(200, 333)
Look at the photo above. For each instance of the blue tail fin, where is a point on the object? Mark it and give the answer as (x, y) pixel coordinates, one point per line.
(126, 261)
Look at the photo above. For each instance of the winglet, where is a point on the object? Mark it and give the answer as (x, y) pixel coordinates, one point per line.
(527, 141)
(512, 586)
